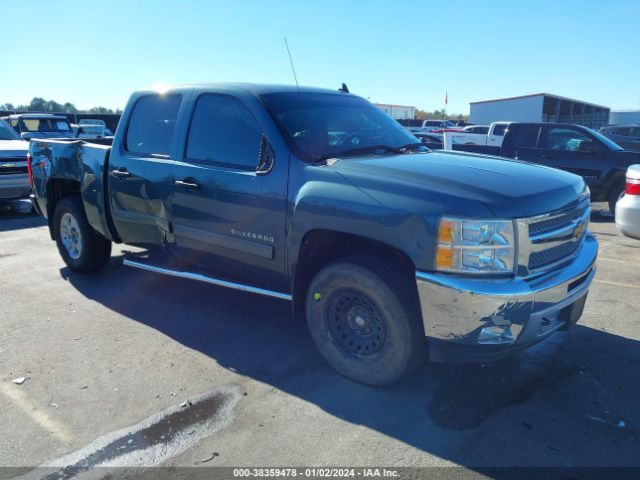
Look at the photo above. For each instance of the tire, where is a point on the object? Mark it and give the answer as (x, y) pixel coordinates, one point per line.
(81, 248)
(363, 316)
(614, 195)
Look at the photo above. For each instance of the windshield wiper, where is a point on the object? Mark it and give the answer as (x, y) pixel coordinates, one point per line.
(368, 149)
(412, 146)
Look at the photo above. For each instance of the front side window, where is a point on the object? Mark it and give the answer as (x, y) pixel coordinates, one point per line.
(151, 124)
(624, 131)
(322, 125)
(565, 139)
(7, 133)
(224, 132)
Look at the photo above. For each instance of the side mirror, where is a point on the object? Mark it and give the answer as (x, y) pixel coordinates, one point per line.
(266, 157)
(26, 135)
(587, 146)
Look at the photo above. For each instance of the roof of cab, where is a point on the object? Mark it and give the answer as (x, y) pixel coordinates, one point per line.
(36, 115)
(247, 88)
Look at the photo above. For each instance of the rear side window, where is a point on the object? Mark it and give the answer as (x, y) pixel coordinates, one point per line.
(624, 131)
(224, 132)
(152, 123)
(525, 136)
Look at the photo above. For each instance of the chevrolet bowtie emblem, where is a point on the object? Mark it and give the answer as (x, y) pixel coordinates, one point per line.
(577, 233)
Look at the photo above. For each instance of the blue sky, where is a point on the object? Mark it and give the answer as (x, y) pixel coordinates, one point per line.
(406, 52)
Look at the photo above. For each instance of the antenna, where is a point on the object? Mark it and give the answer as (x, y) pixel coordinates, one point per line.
(295, 77)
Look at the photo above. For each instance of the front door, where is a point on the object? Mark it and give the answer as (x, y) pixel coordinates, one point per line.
(229, 218)
(572, 150)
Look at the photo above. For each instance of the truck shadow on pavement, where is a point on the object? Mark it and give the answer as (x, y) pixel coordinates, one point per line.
(571, 401)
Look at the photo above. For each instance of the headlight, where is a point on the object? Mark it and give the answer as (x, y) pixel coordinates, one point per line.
(474, 246)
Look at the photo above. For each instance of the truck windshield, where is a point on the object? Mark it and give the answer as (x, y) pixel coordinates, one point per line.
(610, 144)
(46, 125)
(323, 125)
(7, 133)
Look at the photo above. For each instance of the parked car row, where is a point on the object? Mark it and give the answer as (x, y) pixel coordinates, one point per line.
(47, 125)
(627, 136)
(481, 134)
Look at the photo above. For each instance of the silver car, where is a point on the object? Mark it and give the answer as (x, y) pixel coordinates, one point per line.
(14, 179)
(628, 206)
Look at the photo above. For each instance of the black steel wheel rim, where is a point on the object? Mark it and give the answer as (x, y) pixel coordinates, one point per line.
(355, 323)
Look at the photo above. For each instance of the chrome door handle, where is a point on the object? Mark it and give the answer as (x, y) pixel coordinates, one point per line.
(187, 184)
(121, 173)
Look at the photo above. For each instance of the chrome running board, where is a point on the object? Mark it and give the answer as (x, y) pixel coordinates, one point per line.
(207, 279)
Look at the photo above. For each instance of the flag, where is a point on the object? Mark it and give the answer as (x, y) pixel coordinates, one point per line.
(446, 99)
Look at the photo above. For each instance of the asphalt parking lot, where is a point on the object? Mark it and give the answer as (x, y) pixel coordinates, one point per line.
(103, 353)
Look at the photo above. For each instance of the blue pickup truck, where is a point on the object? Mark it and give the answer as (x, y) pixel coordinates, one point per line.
(391, 251)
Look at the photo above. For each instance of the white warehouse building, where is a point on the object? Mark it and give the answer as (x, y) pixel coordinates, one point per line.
(624, 117)
(539, 107)
(399, 112)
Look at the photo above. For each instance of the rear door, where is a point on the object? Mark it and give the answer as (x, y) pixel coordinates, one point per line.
(228, 218)
(495, 137)
(572, 149)
(139, 171)
(521, 142)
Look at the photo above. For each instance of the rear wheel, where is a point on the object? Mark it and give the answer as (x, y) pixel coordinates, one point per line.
(363, 317)
(81, 248)
(614, 195)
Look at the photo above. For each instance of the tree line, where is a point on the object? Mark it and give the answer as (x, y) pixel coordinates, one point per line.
(39, 104)
(424, 115)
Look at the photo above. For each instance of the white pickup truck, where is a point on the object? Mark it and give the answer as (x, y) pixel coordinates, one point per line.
(493, 137)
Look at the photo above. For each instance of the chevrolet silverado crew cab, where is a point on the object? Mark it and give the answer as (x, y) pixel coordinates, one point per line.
(391, 251)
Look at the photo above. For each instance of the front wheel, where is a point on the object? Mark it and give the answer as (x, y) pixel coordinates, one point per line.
(363, 317)
(81, 248)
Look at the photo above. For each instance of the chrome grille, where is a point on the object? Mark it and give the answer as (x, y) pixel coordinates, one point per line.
(549, 240)
(13, 165)
(552, 255)
(554, 223)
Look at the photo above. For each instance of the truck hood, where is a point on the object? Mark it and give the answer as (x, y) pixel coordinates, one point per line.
(629, 157)
(509, 188)
(13, 148)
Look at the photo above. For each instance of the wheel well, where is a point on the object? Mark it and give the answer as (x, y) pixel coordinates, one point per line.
(57, 189)
(321, 247)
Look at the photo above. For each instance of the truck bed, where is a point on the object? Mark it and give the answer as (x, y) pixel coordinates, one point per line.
(72, 160)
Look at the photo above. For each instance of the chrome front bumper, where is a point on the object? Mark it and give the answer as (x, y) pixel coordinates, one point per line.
(14, 186)
(472, 319)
